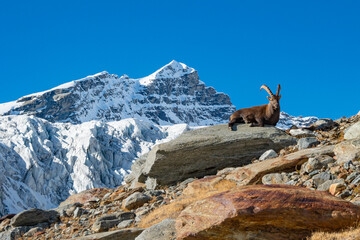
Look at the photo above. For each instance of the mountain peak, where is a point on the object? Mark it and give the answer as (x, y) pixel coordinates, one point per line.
(173, 69)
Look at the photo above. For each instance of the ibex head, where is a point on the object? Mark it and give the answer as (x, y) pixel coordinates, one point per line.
(273, 99)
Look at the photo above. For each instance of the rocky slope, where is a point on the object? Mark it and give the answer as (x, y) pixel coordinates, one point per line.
(310, 186)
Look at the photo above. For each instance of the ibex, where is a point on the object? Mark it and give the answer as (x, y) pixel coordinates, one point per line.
(259, 115)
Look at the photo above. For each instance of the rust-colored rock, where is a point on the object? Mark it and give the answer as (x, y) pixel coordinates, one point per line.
(86, 196)
(265, 212)
(197, 190)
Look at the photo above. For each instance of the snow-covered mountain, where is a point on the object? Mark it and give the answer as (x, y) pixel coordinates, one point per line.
(286, 121)
(87, 133)
(173, 94)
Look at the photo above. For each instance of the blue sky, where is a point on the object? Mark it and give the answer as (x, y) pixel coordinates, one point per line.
(312, 48)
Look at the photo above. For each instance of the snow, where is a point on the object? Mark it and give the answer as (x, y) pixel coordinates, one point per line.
(173, 69)
(50, 161)
(6, 107)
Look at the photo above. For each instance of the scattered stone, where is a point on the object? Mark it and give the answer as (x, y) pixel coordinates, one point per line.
(300, 133)
(123, 234)
(5, 225)
(347, 151)
(275, 178)
(34, 216)
(352, 176)
(307, 142)
(83, 197)
(268, 155)
(32, 231)
(321, 178)
(8, 216)
(78, 212)
(67, 210)
(311, 165)
(327, 184)
(313, 173)
(225, 171)
(336, 188)
(325, 159)
(164, 230)
(136, 200)
(323, 124)
(111, 220)
(344, 194)
(184, 183)
(125, 223)
(356, 181)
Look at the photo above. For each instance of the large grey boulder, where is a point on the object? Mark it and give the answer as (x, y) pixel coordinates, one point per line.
(34, 216)
(347, 151)
(307, 142)
(111, 220)
(353, 131)
(136, 200)
(204, 151)
(164, 230)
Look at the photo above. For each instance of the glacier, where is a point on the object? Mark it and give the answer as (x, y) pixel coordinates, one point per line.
(43, 163)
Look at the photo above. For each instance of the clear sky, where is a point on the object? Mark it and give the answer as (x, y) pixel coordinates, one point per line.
(312, 48)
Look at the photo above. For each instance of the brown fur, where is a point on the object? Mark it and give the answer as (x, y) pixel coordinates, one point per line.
(259, 115)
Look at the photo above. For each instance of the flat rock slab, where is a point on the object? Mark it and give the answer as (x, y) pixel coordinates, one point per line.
(265, 212)
(123, 234)
(34, 216)
(203, 151)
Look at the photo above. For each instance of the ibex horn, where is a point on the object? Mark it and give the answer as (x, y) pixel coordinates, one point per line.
(278, 90)
(267, 89)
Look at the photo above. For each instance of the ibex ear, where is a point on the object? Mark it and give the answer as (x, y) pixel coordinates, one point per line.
(279, 97)
(268, 97)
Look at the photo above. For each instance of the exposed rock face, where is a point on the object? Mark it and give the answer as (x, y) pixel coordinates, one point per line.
(265, 212)
(173, 94)
(204, 151)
